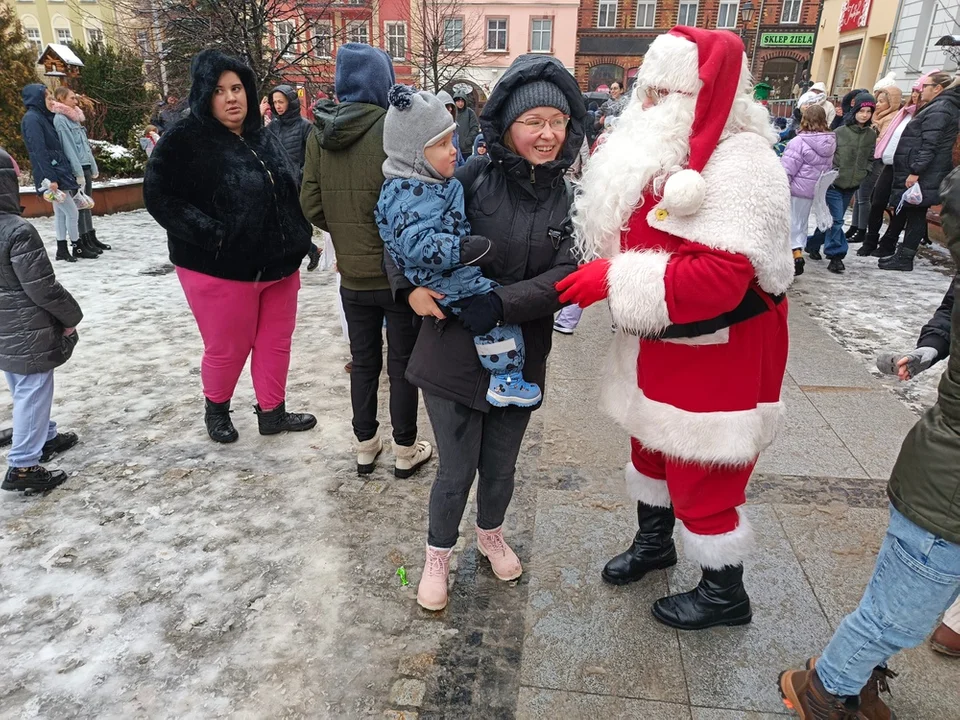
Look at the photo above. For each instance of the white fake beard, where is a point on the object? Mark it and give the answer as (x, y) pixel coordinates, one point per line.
(645, 148)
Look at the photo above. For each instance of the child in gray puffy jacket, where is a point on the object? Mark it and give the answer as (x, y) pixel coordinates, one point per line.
(422, 221)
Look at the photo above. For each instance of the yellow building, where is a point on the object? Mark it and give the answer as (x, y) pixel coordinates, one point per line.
(65, 21)
(852, 43)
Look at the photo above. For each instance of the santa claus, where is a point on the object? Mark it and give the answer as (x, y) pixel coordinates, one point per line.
(687, 210)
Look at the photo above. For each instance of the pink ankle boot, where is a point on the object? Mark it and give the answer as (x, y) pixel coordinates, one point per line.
(503, 560)
(432, 591)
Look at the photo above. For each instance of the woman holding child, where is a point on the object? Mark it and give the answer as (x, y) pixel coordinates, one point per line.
(516, 198)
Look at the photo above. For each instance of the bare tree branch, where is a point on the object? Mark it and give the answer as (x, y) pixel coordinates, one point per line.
(447, 37)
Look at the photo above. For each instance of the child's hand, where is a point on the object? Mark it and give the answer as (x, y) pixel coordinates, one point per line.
(69, 331)
(423, 302)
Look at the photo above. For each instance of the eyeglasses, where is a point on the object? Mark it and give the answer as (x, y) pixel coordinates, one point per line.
(537, 124)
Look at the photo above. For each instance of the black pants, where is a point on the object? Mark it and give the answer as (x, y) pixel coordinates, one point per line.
(469, 441)
(915, 221)
(880, 200)
(86, 216)
(365, 311)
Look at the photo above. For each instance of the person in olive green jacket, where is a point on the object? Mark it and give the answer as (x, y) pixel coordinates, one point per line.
(917, 575)
(856, 142)
(342, 177)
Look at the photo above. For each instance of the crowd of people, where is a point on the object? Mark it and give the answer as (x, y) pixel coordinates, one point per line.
(462, 237)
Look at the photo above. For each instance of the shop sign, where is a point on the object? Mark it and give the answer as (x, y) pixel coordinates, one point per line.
(786, 39)
(854, 15)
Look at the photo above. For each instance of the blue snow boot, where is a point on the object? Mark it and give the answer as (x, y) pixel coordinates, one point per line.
(507, 390)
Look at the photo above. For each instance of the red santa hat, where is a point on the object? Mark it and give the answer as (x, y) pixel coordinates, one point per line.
(706, 64)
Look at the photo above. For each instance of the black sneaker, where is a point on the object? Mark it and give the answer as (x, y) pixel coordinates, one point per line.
(62, 441)
(32, 480)
(836, 266)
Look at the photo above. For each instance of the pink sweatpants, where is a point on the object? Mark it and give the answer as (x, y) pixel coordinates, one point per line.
(236, 318)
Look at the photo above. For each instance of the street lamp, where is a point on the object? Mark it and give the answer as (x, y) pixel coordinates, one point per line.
(746, 12)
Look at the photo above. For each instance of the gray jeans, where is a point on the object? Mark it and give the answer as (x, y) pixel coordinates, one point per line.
(469, 441)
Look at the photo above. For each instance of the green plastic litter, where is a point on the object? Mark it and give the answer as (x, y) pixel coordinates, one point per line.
(402, 573)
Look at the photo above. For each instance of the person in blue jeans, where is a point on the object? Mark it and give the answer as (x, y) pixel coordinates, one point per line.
(917, 574)
(856, 142)
(424, 227)
(38, 319)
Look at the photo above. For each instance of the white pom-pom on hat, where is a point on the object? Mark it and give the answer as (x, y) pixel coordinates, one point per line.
(683, 193)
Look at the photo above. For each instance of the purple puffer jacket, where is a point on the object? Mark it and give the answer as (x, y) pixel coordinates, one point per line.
(806, 158)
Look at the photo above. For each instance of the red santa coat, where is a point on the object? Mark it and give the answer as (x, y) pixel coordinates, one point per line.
(712, 399)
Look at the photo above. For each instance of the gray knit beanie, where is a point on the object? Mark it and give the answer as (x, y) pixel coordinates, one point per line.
(415, 120)
(541, 93)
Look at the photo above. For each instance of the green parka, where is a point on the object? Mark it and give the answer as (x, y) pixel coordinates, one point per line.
(855, 147)
(925, 484)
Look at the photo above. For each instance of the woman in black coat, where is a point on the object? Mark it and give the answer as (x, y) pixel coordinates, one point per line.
(228, 199)
(924, 157)
(515, 196)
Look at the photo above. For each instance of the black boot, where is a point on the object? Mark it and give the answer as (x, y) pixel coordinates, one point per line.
(220, 427)
(859, 237)
(96, 243)
(902, 260)
(87, 243)
(314, 254)
(652, 548)
(870, 243)
(851, 231)
(80, 251)
(886, 247)
(719, 599)
(836, 266)
(63, 252)
(279, 420)
(60, 443)
(33, 479)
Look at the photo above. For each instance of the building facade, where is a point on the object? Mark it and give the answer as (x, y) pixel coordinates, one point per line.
(58, 22)
(917, 27)
(613, 36)
(852, 44)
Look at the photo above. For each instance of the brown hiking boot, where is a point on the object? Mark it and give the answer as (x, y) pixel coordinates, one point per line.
(803, 693)
(871, 706)
(945, 641)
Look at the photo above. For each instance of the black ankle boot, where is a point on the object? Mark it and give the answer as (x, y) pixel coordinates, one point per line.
(220, 427)
(870, 243)
(96, 243)
(87, 243)
(851, 231)
(902, 260)
(858, 237)
(886, 247)
(80, 250)
(33, 479)
(61, 442)
(279, 420)
(719, 599)
(63, 252)
(652, 548)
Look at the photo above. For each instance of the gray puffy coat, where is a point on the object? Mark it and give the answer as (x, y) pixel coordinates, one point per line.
(291, 128)
(34, 307)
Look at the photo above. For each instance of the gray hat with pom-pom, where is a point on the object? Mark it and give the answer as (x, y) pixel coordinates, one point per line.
(415, 120)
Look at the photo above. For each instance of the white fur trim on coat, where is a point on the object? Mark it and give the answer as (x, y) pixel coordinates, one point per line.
(715, 552)
(683, 192)
(732, 438)
(645, 489)
(637, 291)
(746, 209)
(671, 63)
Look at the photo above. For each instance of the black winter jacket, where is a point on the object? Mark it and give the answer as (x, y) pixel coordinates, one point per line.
(47, 157)
(229, 203)
(936, 333)
(34, 307)
(523, 210)
(291, 129)
(925, 148)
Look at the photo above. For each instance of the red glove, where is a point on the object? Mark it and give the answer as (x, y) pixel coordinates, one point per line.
(586, 285)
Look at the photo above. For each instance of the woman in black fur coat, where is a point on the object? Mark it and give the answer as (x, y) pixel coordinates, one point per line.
(228, 199)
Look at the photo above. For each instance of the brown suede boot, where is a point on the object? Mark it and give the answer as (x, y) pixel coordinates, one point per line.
(871, 705)
(945, 641)
(803, 693)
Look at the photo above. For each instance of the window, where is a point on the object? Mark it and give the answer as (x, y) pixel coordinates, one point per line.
(94, 36)
(541, 35)
(607, 18)
(64, 36)
(688, 14)
(34, 39)
(497, 35)
(358, 32)
(453, 34)
(283, 36)
(143, 43)
(791, 11)
(727, 15)
(323, 39)
(646, 14)
(397, 40)
(604, 76)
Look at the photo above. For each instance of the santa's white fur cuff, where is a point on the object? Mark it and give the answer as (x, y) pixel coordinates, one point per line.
(718, 551)
(645, 489)
(637, 291)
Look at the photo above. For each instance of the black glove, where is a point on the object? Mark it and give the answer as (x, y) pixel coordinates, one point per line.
(477, 250)
(482, 313)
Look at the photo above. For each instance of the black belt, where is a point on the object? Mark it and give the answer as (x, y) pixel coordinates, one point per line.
(754, 303)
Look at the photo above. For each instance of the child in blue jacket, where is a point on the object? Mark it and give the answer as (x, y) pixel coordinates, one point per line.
(424, 227)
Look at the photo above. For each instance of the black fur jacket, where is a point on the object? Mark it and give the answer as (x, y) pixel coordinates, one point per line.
(229, 203)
